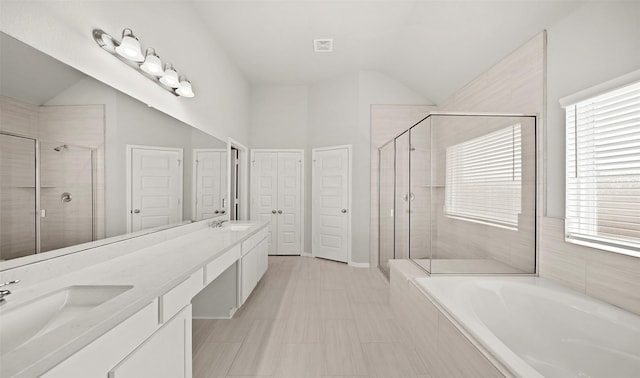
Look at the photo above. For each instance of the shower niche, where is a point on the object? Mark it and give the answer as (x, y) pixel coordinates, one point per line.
(457, 195)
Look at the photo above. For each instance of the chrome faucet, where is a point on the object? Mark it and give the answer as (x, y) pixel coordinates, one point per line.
(4, 293)
(216, 223)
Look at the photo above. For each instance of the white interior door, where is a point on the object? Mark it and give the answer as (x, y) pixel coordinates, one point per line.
(331, 203)
(210, 188)
(264, 192)
(289, 203)
(155, 187)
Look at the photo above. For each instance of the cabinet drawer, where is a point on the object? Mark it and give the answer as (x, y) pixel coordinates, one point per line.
(253, 240)
(97, 358)
(220, 264)
(167, 353)
(180, 296)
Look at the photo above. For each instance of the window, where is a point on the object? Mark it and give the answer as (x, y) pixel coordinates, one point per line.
(484, 178)
(603, 171)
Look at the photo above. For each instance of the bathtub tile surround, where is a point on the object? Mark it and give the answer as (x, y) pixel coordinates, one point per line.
(608, 276)
(491, 324)
(444, 348)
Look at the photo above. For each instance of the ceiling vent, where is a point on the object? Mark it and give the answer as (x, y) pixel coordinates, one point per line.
(323, 45)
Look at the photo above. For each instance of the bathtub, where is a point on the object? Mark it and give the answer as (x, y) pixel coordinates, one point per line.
(536, 328)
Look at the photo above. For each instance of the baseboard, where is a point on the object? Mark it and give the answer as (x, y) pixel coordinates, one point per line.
(306, 254)
(232, 311)
(358, 264)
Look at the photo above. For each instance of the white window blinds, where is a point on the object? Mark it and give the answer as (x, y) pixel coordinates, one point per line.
(484, 178)
(603, 170)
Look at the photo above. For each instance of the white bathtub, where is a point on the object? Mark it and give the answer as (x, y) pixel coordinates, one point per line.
(537, 328)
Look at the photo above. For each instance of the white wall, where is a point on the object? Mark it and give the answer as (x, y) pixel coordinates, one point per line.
(328, 113)
(278, 116)
(597, 42)
(62, 29)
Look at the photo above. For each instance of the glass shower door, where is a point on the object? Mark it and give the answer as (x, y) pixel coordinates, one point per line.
(403, 197)
(17, 197)
(420, 195)
(386, 211)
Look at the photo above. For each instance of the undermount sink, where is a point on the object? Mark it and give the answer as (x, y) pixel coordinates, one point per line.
(33, 319)
(239, 227)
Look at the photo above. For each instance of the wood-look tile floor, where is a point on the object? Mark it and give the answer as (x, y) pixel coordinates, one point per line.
(308, 318)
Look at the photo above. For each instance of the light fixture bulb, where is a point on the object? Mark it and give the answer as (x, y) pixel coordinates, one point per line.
(170, 77)
(184, 88)
(152, 64)
(130, 47)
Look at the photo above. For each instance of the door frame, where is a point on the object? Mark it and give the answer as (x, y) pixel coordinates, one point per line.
(302, 185)
(129, 172)
(194, 178)
(243, 178)
(349, 148)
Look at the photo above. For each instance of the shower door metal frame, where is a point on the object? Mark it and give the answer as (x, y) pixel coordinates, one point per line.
(38, 189)
(538, 133)
(36, 184)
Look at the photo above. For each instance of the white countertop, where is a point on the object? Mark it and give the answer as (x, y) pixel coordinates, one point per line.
(152, 271)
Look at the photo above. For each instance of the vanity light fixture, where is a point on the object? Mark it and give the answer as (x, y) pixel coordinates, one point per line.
(129, 50)
(184, 88)
(130, 46)
(152, 63)
(170, 77)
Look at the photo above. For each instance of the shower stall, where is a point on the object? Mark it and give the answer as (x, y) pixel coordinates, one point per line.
(457, 195)
(46, 195)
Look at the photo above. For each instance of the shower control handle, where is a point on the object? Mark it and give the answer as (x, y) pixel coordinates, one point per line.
(136, 211)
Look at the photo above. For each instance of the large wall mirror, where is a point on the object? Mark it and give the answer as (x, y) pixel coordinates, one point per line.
(81, 162)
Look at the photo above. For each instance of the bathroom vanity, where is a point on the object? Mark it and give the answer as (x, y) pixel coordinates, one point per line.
(128, 313)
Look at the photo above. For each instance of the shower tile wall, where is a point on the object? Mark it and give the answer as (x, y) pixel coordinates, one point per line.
(75, 125)
(460, 239)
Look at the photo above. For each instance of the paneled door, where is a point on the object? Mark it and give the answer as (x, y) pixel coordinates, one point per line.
(155, 187)
(276, 196)
(331, 211)
(210, 183)
(264, 192)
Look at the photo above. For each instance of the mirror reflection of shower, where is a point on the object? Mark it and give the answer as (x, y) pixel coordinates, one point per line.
(47, 195)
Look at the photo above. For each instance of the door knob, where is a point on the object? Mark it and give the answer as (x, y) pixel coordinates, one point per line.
(216, 212)
(223, 211)
(136, 211)
(273, 211)
(279, 211)
(343, 211)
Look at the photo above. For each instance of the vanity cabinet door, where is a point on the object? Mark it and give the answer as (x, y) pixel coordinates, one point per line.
(97, 358)
(262, 258)
(248, 273)
(167, 353)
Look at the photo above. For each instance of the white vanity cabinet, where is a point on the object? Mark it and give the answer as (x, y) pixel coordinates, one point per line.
(155, 341)
(97, 358)
(254, 262)
(167, 353)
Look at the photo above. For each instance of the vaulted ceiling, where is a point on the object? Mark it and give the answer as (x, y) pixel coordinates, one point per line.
(432, 47)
